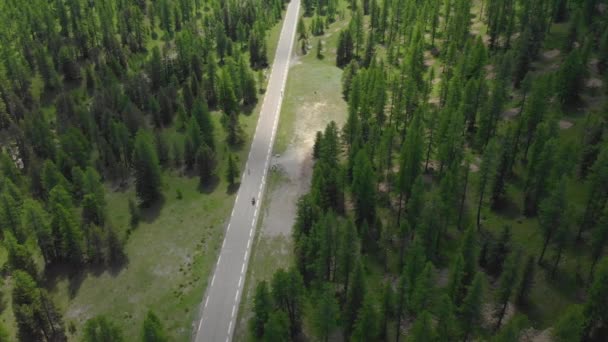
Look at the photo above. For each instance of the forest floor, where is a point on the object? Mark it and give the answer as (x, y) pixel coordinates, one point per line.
(550, 295)
(170, 254)
(313, 98)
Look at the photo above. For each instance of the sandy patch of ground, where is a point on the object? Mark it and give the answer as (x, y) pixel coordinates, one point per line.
(510, 113)
(295, 167)
(551, 54)
(296, 59)
(533, 335)
(593, 99)
(594, 83)
(443, 277)
(565, 124)
(489, 312)
(429, 60)
(474, 166)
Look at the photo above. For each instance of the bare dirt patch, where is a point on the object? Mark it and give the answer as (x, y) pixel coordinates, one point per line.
(489, 311)
(474, 167)
(594, 83)
(510, 113)
(533, 335)
(565, 124)
(295, 166)
(551, 54)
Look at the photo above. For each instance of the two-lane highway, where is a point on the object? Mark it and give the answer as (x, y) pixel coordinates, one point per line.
(223, 295)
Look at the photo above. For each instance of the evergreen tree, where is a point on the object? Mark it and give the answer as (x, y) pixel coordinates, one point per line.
(287, 293)
(423, 290)
(10, 215)
(456, 278)
(411, 161)
(277, 327)
(486, 174)
(101, 329)
(569, 79)
(35, 218)
(595, 308)
(345, 50)
(599, 238)
(232, 171)
(512, 331)
(570, 325)
(153, 330)
(386, 310)
(470, 310)
(324, 314)
(36, 315)
(354, 299)
(598, 191)
(506, 287)
(19, 256)
(147, 169)
(262, 308)
(205, 160)
(422, 330)
(366, 326)
(319, 49)
(364, 188)
(348, 248)
(552, 215)
(526, 281)
(447, 329)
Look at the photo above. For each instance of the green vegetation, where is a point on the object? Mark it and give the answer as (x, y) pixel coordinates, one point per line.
(107, 112)
(473, 149)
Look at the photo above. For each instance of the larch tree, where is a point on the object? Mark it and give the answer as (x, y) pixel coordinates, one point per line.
(486, 174)
(364, 188)
(410, 162)
(147, 169)
(570, 325)
(262, 308)
(153, 330)
(470, 309)
(100, 329)
(599, 238)
(507, 286)
(526, 281)
(354, 298)
(552, 215)
(325, 314)
(595, 309)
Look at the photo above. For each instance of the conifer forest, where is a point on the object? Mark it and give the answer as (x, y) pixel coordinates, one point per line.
(464, 197)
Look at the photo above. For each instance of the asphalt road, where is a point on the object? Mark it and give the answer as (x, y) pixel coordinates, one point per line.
(223, 295)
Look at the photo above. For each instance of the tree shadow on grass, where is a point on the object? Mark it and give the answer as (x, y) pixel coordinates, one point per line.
(508, 209)
(210, 185)
(75, 275)
(55, 273)
(151, 212)
(231, 189)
